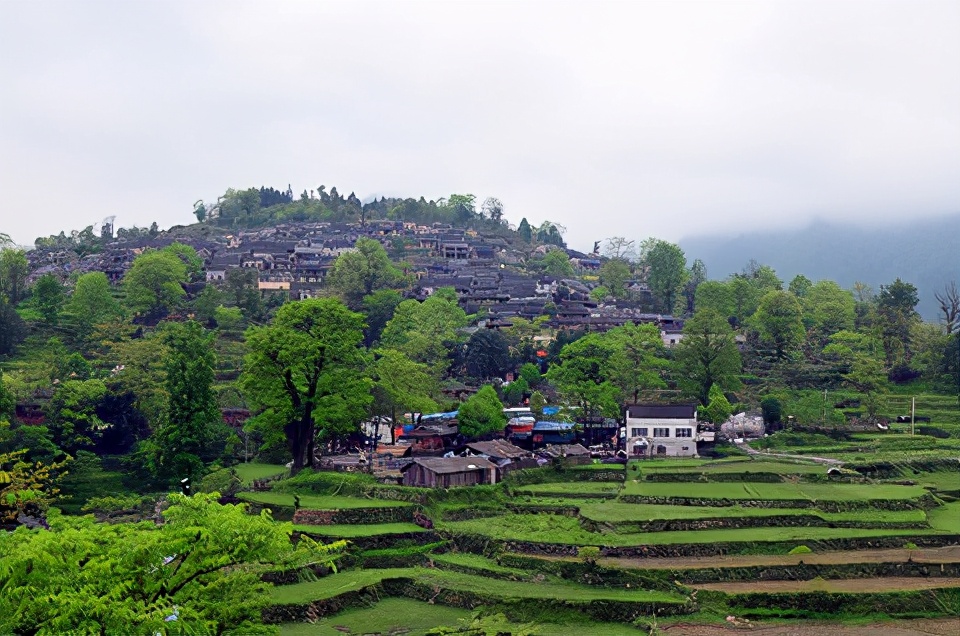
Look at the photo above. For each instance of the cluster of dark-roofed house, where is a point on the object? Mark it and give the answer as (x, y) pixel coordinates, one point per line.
(295, 258)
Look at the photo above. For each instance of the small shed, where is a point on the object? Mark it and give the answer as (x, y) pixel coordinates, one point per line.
(449, 472)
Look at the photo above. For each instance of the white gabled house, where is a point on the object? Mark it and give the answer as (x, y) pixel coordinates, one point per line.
(661, 430)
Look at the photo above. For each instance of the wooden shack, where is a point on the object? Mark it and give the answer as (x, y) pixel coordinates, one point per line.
(448, 472)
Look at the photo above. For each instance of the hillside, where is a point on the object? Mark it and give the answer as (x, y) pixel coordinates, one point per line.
(925, 252)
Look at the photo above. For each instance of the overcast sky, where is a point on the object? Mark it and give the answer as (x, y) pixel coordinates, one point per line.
(637, 119)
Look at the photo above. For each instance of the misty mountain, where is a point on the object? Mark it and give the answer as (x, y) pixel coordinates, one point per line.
(925, 252)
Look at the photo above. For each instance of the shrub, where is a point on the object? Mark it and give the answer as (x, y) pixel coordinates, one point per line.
(224, 481)
(772, 410)
(800, 549)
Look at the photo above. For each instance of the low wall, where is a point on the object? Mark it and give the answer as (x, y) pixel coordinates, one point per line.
(354, 516)
(924, 502)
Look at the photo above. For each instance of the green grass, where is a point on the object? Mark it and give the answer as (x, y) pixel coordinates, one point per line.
(625, 512)
(253, 470)
(946, 517)
(571, 488)
(776, 491)
(319, 502)
(335, 584)
(387, 616)
(354, 531)
(567, 530)
(942, 481)
(477, 562)
(741, 465)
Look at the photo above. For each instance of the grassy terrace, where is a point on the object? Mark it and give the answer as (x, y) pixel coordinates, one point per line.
(366, 530)
(249, 472)
(775, 491)
(319, 502)
(571, 489)
(477, 562)
(619, 512)
(739, 465)
(336, 584)
(567, 530)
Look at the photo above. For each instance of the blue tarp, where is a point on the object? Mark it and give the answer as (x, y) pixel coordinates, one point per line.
(551, 410)
(552, 426)
(439, 416)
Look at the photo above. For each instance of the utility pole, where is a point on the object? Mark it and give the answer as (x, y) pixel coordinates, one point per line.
(913, 414)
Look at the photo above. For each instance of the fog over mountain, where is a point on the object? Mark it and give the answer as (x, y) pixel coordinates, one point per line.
(925, 252)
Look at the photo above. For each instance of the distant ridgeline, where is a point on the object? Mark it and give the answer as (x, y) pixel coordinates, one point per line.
(924, 252)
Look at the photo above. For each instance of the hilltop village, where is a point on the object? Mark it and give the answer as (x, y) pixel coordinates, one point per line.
(438, 417)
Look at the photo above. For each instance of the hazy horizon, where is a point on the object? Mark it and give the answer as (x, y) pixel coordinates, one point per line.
(651, 119)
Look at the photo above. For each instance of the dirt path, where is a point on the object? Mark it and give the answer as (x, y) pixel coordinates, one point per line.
(887, 584)
(755, 453)
(917, 627)
(920, 555)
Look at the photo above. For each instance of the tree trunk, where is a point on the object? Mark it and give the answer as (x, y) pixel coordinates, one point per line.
(300, 436)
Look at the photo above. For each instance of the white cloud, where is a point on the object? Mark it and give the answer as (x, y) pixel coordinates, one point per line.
(637, 119)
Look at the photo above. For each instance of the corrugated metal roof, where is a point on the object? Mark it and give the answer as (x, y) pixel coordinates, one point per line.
(446, 465)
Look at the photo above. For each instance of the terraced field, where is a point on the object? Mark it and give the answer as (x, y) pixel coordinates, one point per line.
(755, 538)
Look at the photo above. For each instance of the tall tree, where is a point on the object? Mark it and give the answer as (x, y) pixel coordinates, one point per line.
(637, 360)
(399, 385)
(582, 375)
(198, 572)
(360, 273)
(666, 268)
(556, 263)
(896, 308)
(49, 297)
(525, 231)
(91, 303)
(493, 209)
(13, 273)
(154, 283)
(427, 332)
(305, 371)
(614, 276)
(378, 308)
(779, 321)
(487, 355)
(240, 288)
(185, 439)
(482, 413)
(707, 355)
(948, 300)
(696, 277)
(828, 308)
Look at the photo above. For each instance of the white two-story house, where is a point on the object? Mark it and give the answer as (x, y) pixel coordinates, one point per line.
(664, 430)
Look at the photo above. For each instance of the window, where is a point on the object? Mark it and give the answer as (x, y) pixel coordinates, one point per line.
(661, 432)
(638, 432)
(684, 432)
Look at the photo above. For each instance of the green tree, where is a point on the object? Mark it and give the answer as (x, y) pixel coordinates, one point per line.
(707, 355)
(73, 414)
(241, 289)
(360, 273)
(828, 308)
(581, 375)
(91, 303)
(305, 371)
(198, 572)
(715, 296)
(426, 332)
(206, 303)
(192, 421)
(531, 373)
(49, 297)
(667, 273)
(481, 414)
(896, 307)
(12, 328)
(26, 487)
(399, 385)
(696, 277)
(154, 283)
(637, 360)
(800, 286)
(772, 410)
(718, 408)
(614, 275)
(525, 231)
(556, 263)
(378, 308)
(779, 321)
(13, 273)
(190, 259)
(487, 355)
(537, 402)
